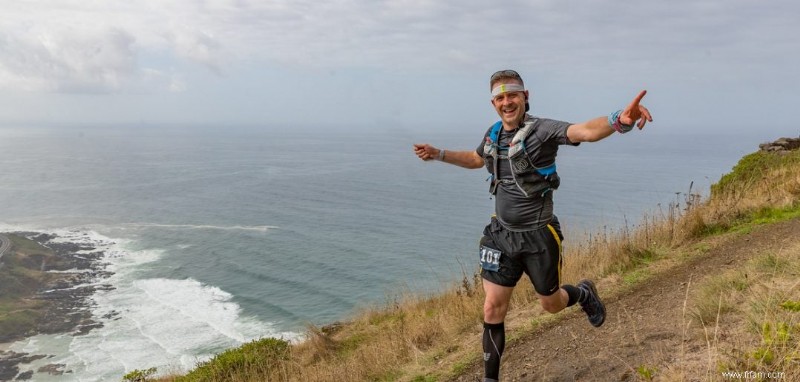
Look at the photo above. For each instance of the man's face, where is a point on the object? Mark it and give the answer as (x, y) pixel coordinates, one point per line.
(510, 106)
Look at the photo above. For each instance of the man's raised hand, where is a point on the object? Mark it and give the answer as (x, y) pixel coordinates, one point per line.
(636, 112)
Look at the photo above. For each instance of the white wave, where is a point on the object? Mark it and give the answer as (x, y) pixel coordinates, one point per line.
(8, 227)
(201, 305)
(117, 253)
(258, 228)
(157, 322)
(73, 270)
(165, 323)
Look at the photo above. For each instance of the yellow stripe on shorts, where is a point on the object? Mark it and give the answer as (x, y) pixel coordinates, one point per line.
(555, 235)
(558, 240)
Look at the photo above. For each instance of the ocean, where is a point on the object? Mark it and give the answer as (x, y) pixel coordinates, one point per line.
(218, 236)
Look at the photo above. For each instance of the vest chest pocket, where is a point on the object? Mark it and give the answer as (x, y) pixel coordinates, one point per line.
(520, 163)
(489, 258)
(489, 149)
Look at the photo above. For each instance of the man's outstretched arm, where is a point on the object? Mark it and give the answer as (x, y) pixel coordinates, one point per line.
(466, 159)
(598, 128)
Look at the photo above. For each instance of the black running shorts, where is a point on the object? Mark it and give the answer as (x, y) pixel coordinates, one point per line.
(537, 253)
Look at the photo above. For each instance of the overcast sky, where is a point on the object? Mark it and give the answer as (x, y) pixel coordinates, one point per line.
(722, 65)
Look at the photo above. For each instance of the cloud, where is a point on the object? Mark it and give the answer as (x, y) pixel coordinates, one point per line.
(196, 46)
(68, 62)
(559, 36)
(98, 48)
(108, 46)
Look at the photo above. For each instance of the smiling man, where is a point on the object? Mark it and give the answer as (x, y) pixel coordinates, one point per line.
(524, 236)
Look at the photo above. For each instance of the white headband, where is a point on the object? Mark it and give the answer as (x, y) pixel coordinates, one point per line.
(504, 88)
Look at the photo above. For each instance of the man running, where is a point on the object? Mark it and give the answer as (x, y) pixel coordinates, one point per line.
(519, 152)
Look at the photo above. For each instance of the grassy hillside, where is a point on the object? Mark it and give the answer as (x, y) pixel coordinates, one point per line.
(435, 338)
(20, 278)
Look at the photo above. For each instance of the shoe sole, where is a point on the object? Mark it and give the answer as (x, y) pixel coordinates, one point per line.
(596, 295)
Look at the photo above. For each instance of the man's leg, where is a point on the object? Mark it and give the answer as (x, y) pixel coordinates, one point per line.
(556, 302)
(495, 307)
(545, 272)
(584, 293)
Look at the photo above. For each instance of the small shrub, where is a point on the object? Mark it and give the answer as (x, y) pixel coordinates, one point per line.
(139, 375)
(255, 356)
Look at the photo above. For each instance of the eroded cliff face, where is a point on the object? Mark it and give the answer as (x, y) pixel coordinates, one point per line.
(781, 144)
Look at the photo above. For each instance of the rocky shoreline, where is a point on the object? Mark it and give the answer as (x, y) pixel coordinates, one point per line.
(74, 272)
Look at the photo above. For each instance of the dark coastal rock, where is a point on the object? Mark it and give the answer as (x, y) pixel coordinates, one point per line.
(38, 237)
(9, 361)
(332, 328)
(66, 248)
(53, 369)
(69, 303)
(113, 315)
(68, 310)
(781, 145)
(66, 296)
(84, 329)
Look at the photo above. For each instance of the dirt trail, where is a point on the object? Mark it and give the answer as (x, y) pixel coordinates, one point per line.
(644, 327)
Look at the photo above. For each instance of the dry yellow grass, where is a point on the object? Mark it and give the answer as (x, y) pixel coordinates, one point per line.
(429, 338)
(749, 320)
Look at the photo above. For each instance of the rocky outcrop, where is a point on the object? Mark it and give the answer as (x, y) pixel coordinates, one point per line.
(67, 276)
(781, 145)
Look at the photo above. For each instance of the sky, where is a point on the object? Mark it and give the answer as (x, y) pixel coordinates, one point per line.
(711, 66)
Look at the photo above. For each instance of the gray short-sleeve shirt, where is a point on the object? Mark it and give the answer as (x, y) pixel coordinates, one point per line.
(515, 210)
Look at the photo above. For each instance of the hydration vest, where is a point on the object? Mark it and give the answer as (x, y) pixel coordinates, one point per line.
(532, 180)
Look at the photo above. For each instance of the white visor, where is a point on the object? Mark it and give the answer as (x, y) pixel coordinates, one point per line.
(505, 88)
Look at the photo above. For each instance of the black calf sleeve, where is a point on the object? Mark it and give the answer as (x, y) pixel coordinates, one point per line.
(575, 294)
(494, 341)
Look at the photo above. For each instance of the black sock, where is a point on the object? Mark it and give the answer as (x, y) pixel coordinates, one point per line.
(494, 341)
(575, 294)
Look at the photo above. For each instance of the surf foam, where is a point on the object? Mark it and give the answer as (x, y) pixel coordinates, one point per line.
(147, 322)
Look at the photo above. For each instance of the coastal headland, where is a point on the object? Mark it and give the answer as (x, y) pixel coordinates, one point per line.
(45, 288)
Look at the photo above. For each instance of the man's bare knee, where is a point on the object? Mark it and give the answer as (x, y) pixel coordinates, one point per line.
(495, 304)
(550, 307)
(553, 303)
(494, 312)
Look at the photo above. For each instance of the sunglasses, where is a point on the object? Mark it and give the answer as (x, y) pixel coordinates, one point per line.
(505, 74)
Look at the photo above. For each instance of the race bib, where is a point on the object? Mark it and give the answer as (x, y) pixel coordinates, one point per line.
(490, 258)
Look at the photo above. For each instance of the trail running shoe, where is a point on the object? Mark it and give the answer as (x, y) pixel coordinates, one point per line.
(593, 307)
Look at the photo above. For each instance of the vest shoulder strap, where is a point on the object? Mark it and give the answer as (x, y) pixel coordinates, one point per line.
(522, 133)
(495, 132)
(519, 136)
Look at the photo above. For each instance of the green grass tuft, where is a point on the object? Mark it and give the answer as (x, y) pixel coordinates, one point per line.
(424, 378)
(636, 276)
(750, 169)
(646, 373)
(793, 306)
(259, 354)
